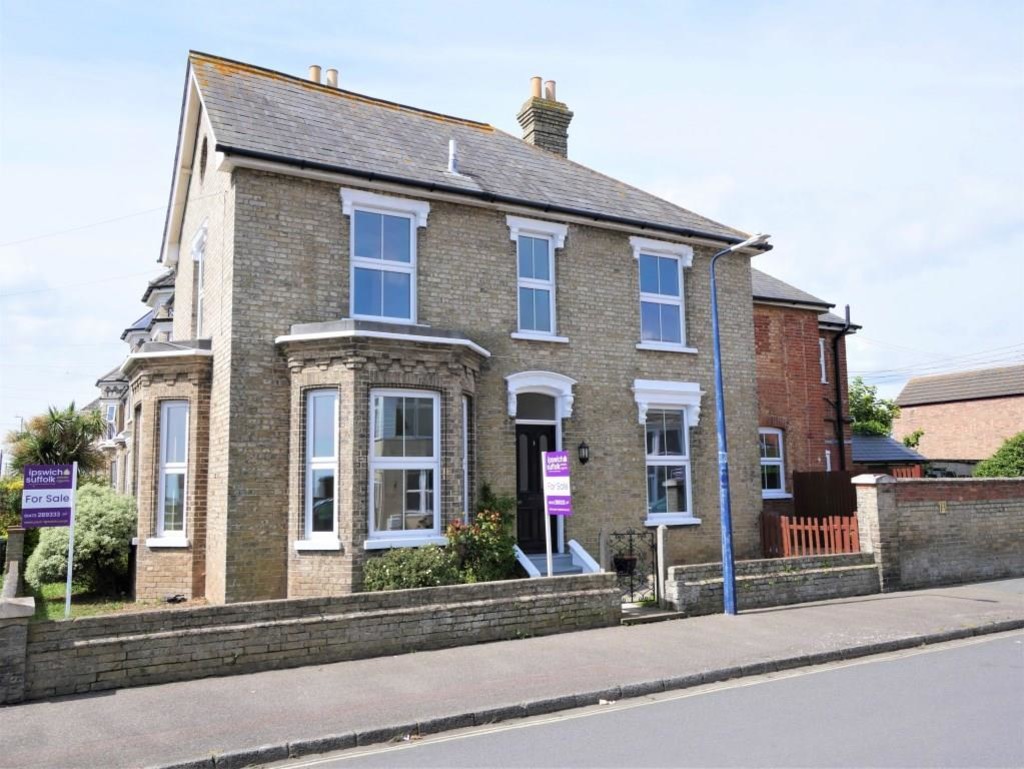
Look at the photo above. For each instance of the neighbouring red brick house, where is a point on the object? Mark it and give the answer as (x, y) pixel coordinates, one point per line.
(797, 342)
(965, 416)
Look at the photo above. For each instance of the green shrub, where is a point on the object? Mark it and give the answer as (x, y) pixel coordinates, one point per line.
(1007, 462)
(484, 549)
(104, 525)
(10, 502)
(410, 567)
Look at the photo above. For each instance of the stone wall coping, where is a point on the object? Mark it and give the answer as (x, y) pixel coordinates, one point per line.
(781, 563)
(871, 479)
(17, 608)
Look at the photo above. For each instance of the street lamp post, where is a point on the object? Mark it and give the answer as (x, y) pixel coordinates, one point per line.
(728, 570)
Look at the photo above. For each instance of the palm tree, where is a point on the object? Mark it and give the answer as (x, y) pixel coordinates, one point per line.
(59, 437)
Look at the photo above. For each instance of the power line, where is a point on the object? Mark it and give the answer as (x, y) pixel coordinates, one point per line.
(939, 363)
(78, 285)
(101, 222)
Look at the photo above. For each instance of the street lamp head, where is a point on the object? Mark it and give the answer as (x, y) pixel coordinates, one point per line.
(754, 240)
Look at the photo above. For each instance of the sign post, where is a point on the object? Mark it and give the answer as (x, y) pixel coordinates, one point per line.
(48, 499)
(557, 492)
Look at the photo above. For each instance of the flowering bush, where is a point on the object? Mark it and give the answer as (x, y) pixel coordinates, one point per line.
(410, 567)
(483, 549)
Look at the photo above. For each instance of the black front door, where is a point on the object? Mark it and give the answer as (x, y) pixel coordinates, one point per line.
(531, 440)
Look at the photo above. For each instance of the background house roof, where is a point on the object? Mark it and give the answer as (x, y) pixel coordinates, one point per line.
(165, 280)
(268, 115)
(771, 289)
(142, 324)
(963, 386)
(881, 449)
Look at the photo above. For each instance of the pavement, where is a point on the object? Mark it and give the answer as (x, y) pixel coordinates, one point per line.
(263, 717)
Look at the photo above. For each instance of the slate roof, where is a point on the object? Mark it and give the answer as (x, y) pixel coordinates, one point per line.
(142, 324)
(769, 288)
(881, 449)
(963, 386)
(114, 375)
(166, 280)
(264, 114)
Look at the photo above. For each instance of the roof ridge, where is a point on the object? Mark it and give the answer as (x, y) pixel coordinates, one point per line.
(965, 372)
(622, 183)
(256, 69)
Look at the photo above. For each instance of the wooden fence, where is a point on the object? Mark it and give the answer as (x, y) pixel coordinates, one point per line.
(788, 536)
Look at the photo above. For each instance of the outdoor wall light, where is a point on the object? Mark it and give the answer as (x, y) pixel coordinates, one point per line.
(583, 451)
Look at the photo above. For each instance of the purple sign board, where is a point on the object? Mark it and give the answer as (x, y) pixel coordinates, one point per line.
(557, 490)
(49, 495)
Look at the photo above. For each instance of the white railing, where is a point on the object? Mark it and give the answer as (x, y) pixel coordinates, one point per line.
(582, 558)
(528, 565)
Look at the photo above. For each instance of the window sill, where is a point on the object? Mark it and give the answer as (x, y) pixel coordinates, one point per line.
(326, 543)
(388, 320)
(671, 520)
(534, 337)
(665, 347)
(167, 542)
(775, 495)
(386, 544)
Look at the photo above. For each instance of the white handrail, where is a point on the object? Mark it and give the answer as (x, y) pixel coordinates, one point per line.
(528, 565)
(582, 558)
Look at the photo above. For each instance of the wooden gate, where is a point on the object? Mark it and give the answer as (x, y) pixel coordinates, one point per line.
(819, 494)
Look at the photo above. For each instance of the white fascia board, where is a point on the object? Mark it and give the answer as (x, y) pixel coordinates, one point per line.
(183, 170)
(352, 332)
(183, 353)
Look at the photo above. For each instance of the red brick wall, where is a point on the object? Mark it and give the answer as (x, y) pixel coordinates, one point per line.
(965, 490)
(965, 430)
(790, 393)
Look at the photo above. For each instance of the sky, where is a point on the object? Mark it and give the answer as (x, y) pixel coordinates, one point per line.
(880, 143)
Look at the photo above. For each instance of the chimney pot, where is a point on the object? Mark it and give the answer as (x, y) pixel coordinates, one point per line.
(545, 120)
(314, 73)
(332, 78)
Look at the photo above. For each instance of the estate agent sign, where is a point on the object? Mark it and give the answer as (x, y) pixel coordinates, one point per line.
(49, 495)
(48, 499)
(557, 491)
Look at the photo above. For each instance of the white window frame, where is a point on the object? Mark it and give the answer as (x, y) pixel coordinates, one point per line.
(465, 459)
(671, 460)
(683, 255)
(821, 360)
(199, 262)
(416, 211)
(554, 233)
(319, 540)
(378, 540)
(779, 462)
(174, 538)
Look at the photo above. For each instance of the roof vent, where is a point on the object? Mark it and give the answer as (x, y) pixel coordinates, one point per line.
(453, 157)
(314, 73)
(332, 77)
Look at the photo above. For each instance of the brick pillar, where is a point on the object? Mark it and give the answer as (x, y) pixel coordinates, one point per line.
(878, 525)
(15, 556)
(14, 617)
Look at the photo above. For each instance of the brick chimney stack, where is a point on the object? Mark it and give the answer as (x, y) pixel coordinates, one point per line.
(545, 120)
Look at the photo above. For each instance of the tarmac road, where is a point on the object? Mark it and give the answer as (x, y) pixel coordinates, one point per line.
(959, 705)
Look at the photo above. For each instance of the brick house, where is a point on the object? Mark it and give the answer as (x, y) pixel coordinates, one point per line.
(801, 376)
(378, 309)
(965, 415)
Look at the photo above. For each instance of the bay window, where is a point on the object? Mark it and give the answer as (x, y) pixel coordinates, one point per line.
(405, 468)
(173, 471)
(321, 501)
